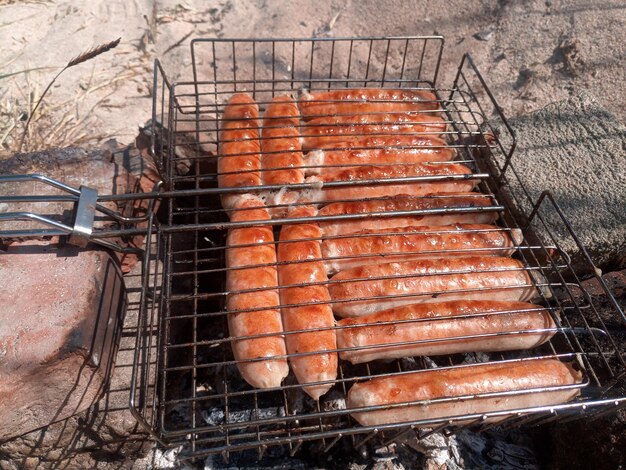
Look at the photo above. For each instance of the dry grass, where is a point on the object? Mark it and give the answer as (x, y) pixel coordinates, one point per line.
(55, 124)
(82, 58)
(30, 123)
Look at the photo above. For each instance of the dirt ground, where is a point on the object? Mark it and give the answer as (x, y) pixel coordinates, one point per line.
(532, 52)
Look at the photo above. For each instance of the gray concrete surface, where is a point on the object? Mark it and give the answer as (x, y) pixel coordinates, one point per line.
(577, 150)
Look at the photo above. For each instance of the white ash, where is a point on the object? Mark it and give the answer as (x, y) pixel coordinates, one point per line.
(387, 465)
(476, 358)
(440, 451)
(386, 457)
(495, 450)
(168, 458)
(333, 400)
(215, 416)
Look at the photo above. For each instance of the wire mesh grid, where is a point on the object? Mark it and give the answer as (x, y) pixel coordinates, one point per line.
(201, 399)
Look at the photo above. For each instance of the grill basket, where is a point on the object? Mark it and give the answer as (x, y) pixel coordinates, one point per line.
(186, 387)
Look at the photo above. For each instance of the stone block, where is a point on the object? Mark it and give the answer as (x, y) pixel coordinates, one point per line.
(577, 150)
(61, 311)
(104, 436)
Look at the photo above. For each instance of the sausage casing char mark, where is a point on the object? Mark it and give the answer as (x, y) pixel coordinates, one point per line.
(401, 203)
(409, 243)
(429, 280)
(324, 132)
(429, 385)
(429, 326)
(257, 312)
(383, 189)
(366, 101)
(239, 161)
(291, 271)
(280, 143)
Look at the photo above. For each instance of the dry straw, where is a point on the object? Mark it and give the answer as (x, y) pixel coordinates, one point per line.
(84, 57)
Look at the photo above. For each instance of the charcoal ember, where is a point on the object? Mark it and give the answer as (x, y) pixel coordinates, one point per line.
(61, 311)
(334, 400)
(475, 358)
(409, 364)
(387, 458)
(275, 458)
(490, 450)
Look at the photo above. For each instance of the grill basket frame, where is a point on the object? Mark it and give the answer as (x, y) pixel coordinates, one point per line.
(484, 140)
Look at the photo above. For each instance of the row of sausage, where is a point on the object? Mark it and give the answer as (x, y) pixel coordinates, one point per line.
(411, 267)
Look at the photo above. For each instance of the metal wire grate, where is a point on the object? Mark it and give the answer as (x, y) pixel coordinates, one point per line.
(201, 400)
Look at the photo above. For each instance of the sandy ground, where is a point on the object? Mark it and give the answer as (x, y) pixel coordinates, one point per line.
(532, 52)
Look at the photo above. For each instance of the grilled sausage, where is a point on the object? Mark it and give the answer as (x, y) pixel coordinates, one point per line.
(431, 331)
(329, 130)
(244, 318)
(383, 189)
(239, 161)
(462, 202)
(425, 143)
(425, 386)
(315, 367)
(281, 157)
(281, 143)
(366, 101)
(364, 290)
(409, 243)
(324, 162)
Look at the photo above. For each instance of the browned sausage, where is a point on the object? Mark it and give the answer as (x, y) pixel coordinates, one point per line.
(376, 190)
(239, 161)
(405, 204)
(409, 243)
(366, 101)
(315, 367)
(244, 318)
(280, 143)
(432, 332)
(424, 386)
(330, 130)
(324, 161)
(426, 143)
(367, 289)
